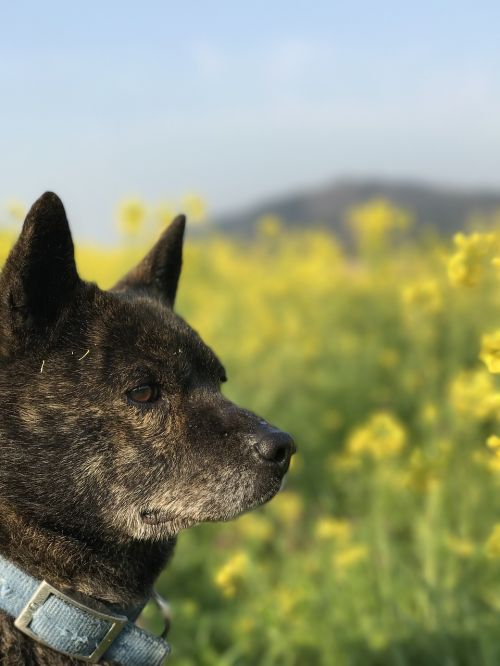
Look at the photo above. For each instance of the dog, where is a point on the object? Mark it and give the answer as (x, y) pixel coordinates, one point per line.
(114, 433)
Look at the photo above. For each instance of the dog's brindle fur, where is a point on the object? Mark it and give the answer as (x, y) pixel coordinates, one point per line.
(94, 485)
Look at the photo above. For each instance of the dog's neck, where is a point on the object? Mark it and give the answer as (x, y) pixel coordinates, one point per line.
(122, 574)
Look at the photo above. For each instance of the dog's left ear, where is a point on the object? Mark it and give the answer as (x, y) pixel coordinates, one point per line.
(39, 277)
(158, 273)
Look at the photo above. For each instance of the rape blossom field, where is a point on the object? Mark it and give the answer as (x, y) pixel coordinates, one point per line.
(381, 359)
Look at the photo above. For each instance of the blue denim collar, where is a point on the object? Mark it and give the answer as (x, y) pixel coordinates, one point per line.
(75, 629)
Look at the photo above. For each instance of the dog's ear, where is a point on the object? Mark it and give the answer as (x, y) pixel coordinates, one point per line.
(39, 276)
(158, 273)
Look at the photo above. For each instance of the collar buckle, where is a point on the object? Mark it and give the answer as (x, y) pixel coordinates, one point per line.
(40, 596)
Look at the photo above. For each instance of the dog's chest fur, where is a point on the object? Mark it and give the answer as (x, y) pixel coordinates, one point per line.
(120, 574)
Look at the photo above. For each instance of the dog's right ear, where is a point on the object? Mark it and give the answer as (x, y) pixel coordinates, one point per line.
(158, 273)
(39, 277)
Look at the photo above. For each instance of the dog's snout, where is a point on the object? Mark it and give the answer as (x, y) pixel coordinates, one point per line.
(275, 447)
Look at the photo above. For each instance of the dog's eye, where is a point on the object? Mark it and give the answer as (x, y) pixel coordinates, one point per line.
(146, 393)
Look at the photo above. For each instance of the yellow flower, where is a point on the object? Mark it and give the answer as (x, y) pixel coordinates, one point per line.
(495, 262)
(466, 267)
(482, 459)
(330, 528)
(296, 463)
(255, 526)
(287, 506)
(459, 546)
(382, 437)
(493, 443)
(493, 543)
(429, 414)
(493, 464)
(269, 226)
(424, 296)
(195, 208)
(490, 351)
(423, 472)
(472, 394)
(131, 216)
(287, 600)
(349, 557)
(231, 573)
(373, 221)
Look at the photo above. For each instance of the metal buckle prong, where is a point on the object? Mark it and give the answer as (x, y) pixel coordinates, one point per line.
(41, 594)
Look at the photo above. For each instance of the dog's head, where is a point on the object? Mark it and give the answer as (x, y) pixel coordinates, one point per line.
(112, 417)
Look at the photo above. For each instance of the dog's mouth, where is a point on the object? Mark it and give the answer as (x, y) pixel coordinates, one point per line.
(155, 517)
(161, 521)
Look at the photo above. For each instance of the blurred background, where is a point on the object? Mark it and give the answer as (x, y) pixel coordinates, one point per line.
(340, 167)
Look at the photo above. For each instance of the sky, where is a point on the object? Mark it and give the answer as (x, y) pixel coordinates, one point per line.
(237, 102)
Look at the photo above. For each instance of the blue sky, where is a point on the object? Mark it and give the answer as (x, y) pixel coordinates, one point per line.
(238, 101)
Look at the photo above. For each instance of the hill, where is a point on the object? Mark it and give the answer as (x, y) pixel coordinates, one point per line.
(444, 209)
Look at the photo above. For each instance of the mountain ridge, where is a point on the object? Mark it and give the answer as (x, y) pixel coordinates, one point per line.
(443, 208)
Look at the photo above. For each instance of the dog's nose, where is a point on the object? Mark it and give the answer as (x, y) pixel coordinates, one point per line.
(275, 447)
